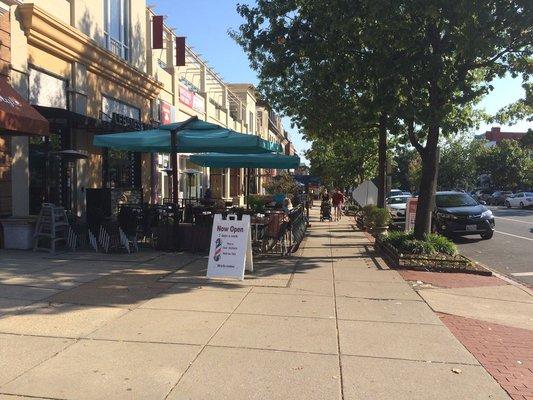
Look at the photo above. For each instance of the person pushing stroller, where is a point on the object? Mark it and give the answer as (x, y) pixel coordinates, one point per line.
(325, 207)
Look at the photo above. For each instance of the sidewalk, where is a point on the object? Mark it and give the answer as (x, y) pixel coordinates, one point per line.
(328, 323)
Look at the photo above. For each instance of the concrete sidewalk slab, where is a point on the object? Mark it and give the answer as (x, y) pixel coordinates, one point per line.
(483, 306)
(309, 335)
(19, 354)
(502, 293)
(400, 340)
(59, 320)
(385, 311)
(163, 326)
(106, 293)
(366, 275)
(192, 299)
(11, 306)
(107, 370)
(299, 286)
(376, 290)
(246, 374)
(25, 292)
(296, 306)
(311, 271)
(385, 379)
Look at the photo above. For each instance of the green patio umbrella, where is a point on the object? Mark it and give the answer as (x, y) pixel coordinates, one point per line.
(193, 136)
(268, 160)
(190, 136)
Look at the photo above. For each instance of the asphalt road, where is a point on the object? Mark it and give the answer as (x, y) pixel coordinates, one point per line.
(510, 251)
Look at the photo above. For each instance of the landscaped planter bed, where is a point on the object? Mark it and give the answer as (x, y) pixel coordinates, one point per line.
(437, 263)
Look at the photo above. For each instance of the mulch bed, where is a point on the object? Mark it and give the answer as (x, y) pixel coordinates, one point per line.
(438, 263)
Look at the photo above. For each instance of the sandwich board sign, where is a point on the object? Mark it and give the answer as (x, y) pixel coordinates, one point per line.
(230, 251)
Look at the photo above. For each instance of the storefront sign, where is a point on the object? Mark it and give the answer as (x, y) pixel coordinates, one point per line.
(168, 113)
(127, 122)
(111, 106)
(192, 99)
(410, 213)
(47, 90)
(231, 247)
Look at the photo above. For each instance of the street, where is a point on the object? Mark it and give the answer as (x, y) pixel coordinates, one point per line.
(510, 251)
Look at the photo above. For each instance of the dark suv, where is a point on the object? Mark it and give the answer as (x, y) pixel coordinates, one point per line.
(458, 214)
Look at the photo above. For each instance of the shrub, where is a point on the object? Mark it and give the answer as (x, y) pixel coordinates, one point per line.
(367, 210)
(397, 238)
(415, 246)
(442, 244)
(405, 242)
(379, 217)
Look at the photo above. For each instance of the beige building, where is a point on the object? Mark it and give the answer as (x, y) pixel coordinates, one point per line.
(83, 64)
(88, 67)
(196, 89)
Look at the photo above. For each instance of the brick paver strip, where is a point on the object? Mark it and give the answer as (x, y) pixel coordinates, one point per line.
(505, 352)
(451, 280)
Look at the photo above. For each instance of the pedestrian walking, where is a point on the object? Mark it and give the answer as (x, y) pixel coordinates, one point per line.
(337, 199)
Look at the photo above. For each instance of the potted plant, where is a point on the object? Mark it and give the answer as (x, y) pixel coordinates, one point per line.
(379, 220)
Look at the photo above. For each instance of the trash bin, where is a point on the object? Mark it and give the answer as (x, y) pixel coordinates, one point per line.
(18, 232)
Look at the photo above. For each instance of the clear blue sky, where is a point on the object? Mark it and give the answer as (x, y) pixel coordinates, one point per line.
(205, 23)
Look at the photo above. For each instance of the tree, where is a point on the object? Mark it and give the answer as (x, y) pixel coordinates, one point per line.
(458, 166)
(411, 67)
(343, 161)
(511, 166)
(326, 89)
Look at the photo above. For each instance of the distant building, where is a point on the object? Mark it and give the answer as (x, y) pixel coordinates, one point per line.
(495, 136)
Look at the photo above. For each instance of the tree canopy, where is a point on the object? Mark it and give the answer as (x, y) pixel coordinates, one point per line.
(412, 68)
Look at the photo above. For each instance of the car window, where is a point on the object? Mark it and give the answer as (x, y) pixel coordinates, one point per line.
(528, 194)
(520, 195)
(397, 200)
(455, 200)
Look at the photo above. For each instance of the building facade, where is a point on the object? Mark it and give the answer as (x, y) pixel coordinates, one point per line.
(89, 67)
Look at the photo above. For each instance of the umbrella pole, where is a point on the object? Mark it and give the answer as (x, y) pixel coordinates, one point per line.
(247, 188)
(174, 164)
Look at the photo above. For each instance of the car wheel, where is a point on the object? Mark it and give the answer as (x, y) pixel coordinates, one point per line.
(507, 204)
(487, 235)
(521, 205)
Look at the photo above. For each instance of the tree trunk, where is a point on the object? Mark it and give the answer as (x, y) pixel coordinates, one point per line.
(382, 163)
(428, 184)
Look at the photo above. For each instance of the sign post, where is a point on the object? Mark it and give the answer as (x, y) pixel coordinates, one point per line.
(230, 251)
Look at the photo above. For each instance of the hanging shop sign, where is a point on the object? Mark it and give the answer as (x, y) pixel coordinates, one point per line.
(168, 113)
(231, 247)
(192, 99)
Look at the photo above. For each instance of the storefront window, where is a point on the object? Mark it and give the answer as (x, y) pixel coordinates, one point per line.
(117, 27)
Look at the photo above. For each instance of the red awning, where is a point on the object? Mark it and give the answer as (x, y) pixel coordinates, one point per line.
(17, 116)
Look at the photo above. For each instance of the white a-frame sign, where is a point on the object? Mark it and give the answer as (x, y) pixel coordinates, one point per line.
(231, 247)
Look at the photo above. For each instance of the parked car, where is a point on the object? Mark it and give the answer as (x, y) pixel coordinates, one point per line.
(458, 214)
(397, 205)
(482, 194)
(395, 192)
(498, 198)
(521, 199)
